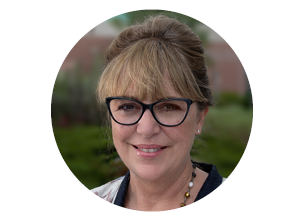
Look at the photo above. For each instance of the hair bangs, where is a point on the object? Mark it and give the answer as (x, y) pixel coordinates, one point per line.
(144, 68)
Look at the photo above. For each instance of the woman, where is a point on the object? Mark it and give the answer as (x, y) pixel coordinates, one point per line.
(157, 91)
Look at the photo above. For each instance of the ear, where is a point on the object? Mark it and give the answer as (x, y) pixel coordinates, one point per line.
(200, 122)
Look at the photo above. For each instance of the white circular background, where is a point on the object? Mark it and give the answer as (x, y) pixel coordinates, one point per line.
(37, 35)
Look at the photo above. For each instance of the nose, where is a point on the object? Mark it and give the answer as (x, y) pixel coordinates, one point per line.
(147, 125)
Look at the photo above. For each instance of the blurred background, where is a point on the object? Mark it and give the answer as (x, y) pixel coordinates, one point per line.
(80, 124)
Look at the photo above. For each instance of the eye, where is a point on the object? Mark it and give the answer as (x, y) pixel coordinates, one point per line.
(168, 107)
(126, 107)
(171, 107)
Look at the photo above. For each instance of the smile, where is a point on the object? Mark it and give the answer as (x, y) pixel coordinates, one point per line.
(148, 150)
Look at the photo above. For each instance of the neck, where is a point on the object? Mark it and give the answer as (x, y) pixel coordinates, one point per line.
(163, 194)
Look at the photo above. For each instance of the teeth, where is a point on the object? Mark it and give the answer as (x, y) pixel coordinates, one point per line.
(149, 150)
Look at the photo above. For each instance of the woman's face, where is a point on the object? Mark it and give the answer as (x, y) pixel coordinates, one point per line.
(173, 144)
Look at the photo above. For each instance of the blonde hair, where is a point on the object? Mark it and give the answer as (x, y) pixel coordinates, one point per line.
(144, 54)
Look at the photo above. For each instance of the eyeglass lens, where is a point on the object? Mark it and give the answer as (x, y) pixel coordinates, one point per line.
(168, 112)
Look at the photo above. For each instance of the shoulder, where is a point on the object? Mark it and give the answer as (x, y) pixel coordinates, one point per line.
(109, 190)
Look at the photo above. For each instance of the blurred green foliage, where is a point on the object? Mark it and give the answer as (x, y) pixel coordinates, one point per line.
(231, 98)
(74, 98)
(89, 153)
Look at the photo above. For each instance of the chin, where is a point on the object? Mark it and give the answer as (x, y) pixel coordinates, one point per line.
(149, 172)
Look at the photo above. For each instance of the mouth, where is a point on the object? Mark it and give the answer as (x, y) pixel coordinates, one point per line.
(150, 149)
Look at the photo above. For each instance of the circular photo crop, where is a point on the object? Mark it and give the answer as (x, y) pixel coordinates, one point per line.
(152, 110)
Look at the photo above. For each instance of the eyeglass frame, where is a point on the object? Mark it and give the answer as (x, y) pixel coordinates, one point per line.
(150, 107)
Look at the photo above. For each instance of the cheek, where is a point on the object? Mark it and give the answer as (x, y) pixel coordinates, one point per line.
(185, 133)
(121, 134)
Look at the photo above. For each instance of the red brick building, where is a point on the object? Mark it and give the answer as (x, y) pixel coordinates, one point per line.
(226, 71)
(84, 52)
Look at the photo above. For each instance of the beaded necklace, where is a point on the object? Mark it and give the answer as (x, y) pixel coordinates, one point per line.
(187, 194)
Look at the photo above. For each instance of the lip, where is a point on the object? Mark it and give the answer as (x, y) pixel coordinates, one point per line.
(144, 154)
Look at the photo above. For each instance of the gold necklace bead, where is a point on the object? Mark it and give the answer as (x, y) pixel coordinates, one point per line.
(187, 194)
(182, 204)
